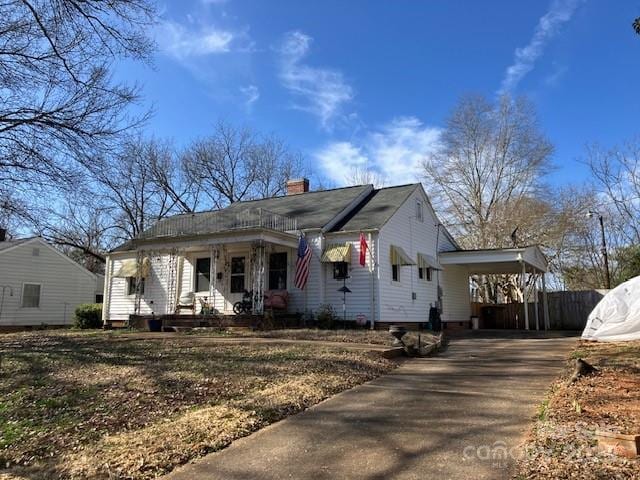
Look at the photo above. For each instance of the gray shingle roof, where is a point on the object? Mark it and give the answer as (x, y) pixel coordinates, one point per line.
(312, 210)
(12, 243)
(378, 207)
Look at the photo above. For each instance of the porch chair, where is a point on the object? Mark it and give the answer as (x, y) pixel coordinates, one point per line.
(276, 299)
(187, 301)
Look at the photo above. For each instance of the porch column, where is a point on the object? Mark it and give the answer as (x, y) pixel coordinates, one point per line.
(535, 300)
(545, 304)
(258, 272)
(525, 302)
(213, 275)
(174, 283)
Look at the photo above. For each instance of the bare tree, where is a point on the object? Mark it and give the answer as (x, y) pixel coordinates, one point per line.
(275, 163)
(486, 178)
(172, 177)
(363, 175)
(81, 227)
(129, 188)
(492, 160)
(236, 164)
(59, 105)
(616, 173)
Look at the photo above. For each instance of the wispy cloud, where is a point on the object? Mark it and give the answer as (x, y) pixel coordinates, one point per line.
(183, 41)
(320, 91)
(553, 79)
(548, 26)
(251, 94)
(393, 152)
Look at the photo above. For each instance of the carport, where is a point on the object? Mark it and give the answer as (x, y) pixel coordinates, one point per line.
(527, 262)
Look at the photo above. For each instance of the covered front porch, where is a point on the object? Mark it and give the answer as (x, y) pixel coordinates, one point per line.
(528, 266)
(203, 276)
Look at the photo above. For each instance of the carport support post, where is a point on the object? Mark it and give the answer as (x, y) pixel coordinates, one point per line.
(525, 302)
(545, 304)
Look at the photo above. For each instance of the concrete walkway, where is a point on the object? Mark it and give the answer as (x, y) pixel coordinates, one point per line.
(433, 418)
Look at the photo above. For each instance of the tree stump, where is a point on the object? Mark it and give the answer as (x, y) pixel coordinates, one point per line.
(582, 369)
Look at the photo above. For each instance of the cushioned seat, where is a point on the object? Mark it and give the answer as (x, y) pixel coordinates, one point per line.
(276, 299)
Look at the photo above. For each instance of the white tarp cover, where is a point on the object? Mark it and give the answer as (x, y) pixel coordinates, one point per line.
(617, 316)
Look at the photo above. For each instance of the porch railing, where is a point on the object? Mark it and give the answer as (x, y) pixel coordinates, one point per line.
(214, 222)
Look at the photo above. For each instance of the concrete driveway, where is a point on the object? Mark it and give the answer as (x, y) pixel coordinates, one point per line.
(462, 414)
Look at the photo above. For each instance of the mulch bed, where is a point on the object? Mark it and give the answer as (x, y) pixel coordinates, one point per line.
(562, 441)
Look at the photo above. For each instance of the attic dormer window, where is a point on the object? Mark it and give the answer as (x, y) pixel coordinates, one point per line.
(419, 212)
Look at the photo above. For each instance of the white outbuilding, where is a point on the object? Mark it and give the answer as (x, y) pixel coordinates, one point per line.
(40, 285)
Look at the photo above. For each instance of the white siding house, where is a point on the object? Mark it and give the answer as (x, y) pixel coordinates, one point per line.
(40, 285)
(215, 255)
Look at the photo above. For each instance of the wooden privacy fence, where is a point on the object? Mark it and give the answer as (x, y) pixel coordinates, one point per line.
(567, 311)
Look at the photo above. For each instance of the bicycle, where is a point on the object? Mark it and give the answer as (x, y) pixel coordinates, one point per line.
(245, 305)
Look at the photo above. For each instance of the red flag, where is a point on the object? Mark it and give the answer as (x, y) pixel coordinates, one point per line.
(363, 249)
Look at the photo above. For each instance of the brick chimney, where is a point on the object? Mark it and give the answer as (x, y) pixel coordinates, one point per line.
(3, 234)
(298, 185)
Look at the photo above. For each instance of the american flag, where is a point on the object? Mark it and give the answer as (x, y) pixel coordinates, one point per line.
(302, 263)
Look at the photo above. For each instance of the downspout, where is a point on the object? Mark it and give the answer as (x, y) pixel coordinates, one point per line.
(323, 275)
(376, 276)
(438, 302)
(372, 267)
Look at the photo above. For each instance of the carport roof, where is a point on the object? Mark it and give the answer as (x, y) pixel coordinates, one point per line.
(499, 260)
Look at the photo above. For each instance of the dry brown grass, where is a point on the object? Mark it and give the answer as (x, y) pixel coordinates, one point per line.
(562, 442)
(371, 337)
(76, 405)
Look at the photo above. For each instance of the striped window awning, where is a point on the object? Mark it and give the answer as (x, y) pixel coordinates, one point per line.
(338, 252)
(129, 268)
(428, 261)
(399, 257)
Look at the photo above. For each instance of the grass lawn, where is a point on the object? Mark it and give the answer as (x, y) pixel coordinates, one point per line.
(372, 337)
(100, 405)
(562, 443)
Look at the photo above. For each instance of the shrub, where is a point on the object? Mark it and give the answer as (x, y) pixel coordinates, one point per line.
(88, 315)
(326, 316)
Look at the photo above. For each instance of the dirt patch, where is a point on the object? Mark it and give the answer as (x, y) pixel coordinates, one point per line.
(76, 405)
(562, 442)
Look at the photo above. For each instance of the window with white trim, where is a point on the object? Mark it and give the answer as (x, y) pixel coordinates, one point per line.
(237, 275)
(131, 286)
(203, 274)
(419, 212)
(424, 273)
(31, 295)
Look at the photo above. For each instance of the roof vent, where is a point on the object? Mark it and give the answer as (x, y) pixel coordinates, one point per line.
(298, 185)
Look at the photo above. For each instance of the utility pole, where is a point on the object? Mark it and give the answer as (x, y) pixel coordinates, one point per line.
(603, 248)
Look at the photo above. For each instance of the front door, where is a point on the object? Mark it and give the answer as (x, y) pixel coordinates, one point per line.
(238, 279)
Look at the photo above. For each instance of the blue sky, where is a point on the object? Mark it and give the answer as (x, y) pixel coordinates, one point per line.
(372, 82)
